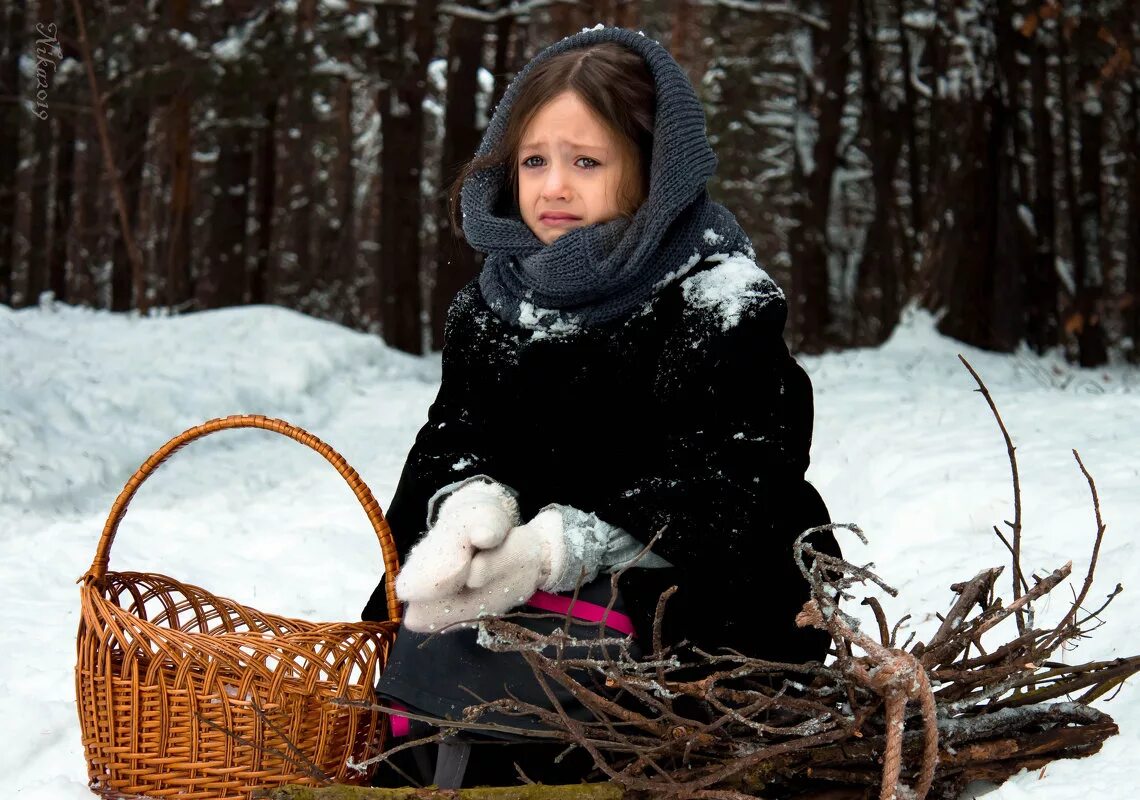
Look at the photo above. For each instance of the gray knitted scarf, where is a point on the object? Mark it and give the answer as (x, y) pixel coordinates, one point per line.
(600, 272)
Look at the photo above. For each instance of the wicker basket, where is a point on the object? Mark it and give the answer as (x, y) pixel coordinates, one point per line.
(185, 694)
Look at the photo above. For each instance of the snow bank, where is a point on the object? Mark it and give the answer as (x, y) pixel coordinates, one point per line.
(903, 445)
(88, 395)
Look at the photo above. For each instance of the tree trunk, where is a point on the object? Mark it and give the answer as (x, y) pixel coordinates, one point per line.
(1091, 339)
(64, 199)
(685, 39)
(132, 133)
(877, 299)
(563, 21)
(12, 34)
(266, 185)
(810, 310)
(1041, 323)
(1010, 51)
(1083, 318)
(63, 225)
(127, 266)
(345, 212)
(503, 29)
(1014, 246)
(43, 147)
(914, 157)
(179, 290)
(973, 242)
(87, 232)
(627, 13)
(456, 263)
(1132, 316)
(36, 277)
(334, 262)
(600, 10)
(226, 282)
(401, 161)
(978, 233)
(296, 271)
(943, 130)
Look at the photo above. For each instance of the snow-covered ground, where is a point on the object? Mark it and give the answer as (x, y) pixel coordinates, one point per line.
(903, 446)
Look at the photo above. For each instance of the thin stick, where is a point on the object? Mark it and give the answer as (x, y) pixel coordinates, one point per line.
(1017, 567)
(312, 771)
(880, 618)
(1018, 578)
(1100, 529)
(614, 578)
(312, 768)
(658, 648)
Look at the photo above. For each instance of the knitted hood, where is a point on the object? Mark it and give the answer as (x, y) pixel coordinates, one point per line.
(593, 274)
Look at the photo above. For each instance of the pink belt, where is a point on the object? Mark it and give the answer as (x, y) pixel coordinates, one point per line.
(558, 604)
(401, 726)
(580, 609)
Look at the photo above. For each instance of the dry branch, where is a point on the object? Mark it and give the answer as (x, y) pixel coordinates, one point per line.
(1015, 546)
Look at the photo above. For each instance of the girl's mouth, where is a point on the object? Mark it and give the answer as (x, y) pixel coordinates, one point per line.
(555, 220)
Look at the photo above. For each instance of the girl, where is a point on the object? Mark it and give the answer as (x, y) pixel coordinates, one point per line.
(616, 370)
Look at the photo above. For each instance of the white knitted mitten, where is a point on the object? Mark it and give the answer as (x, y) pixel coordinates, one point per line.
(507, 575)
(476, 515)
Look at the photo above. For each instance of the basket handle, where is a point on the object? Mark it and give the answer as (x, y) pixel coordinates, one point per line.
(387, 545)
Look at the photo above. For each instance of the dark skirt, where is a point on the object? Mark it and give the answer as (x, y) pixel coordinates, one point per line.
(440, 675)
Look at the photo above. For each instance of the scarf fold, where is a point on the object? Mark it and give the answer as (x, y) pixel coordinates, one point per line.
(592, 275)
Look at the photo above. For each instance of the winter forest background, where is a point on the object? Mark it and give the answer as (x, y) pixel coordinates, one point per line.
(978, 157)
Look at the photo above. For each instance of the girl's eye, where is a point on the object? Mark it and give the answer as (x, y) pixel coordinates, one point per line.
(532, 161)
(587, 163)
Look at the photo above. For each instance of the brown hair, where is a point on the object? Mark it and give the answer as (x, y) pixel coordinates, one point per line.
(613, 81)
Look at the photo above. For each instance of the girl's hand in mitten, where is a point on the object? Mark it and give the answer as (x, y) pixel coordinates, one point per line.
(476, 515)
(507, 575)
(430, 616)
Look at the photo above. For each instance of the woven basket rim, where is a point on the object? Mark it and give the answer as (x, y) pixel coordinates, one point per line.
(100, 563)
(97, 591)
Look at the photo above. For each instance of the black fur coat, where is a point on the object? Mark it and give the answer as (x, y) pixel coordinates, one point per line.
(687, 416)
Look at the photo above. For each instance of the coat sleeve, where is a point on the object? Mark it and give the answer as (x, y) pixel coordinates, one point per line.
(451, 447)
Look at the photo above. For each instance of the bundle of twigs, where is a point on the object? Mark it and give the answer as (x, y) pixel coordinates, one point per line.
(920, 719)
(931, 716)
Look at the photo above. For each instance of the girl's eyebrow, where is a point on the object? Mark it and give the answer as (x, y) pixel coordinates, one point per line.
(575, 145)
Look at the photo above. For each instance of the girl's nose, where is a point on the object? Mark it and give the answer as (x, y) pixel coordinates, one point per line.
(554, 187)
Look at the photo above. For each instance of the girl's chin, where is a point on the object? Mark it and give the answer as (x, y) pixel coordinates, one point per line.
(547, 235)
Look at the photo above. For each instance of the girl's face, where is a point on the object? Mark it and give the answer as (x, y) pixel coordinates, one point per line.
(572, 170)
